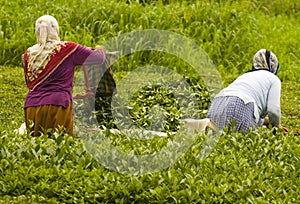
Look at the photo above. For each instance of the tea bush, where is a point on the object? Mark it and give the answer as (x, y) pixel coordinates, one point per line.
(258, 167)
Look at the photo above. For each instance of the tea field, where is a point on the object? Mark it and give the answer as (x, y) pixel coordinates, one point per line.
(258, 167)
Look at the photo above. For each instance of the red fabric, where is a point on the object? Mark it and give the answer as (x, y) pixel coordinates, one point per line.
(66, 49)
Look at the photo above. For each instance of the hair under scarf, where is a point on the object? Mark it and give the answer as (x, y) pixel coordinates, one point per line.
(47, 35)
(265, 59)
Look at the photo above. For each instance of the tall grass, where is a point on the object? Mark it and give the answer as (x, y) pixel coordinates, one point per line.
(229, 31)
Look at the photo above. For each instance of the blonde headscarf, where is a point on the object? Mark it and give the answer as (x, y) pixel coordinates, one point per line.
(47, 36)
(265, 59)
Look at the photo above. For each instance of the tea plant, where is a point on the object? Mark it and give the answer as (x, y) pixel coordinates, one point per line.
(258, 167)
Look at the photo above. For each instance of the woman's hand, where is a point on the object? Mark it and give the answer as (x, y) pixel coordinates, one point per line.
(100, 47)
(266, 121)
(88, 94)
(284, 129)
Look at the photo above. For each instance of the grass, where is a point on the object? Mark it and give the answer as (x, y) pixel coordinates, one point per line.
(230, 32)
(255, 168)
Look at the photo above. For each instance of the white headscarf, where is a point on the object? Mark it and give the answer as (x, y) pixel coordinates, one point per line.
(47, 35)
(265, 59)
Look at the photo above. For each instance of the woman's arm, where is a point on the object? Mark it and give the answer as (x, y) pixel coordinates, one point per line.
(85, 56)
(273, 103)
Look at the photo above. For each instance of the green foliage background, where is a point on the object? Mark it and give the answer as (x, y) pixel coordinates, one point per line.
(257, 168)
(229, 31)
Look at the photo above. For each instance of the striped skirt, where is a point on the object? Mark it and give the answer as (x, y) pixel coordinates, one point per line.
(46, 119)
(231, 110)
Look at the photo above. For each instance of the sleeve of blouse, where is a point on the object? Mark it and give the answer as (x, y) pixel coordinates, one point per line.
(273, 103)
(85, 56)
